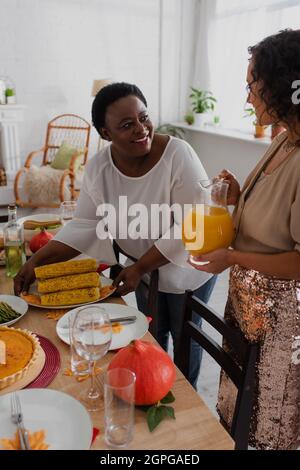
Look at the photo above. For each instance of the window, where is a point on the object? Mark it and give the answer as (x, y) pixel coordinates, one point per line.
(231, 27)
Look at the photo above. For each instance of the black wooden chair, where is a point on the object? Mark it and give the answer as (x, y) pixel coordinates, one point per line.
(151, 290)
(245, 353)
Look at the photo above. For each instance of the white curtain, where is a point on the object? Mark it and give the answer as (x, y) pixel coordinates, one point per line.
(225, 30)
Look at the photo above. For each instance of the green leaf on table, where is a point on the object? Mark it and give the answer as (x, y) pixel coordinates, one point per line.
(168, 411)
(154, 416)
(169, 398)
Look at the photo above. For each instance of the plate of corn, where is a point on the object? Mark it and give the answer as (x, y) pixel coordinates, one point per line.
(12, 309)
(68, 284)
(122, 333)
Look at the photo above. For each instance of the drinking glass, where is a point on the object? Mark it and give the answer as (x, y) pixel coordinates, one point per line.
(67, 211)
(91, 335)
(79, 366)
(119, 395)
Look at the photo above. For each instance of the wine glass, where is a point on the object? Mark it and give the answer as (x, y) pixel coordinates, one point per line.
(67, 211)
(92, 334)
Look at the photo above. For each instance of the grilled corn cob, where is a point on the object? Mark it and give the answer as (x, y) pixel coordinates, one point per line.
(68, 297)
(74, 281)
(66, 267)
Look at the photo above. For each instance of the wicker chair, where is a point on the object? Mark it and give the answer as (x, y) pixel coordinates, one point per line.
(68, 128)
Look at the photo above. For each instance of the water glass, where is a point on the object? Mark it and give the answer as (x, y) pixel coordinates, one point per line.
(67, 211)
(79, 366)
(91, 336)
(119, 394)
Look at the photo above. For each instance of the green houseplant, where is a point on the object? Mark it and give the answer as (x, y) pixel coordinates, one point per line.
(202, 102)
(189, 118)
(10, 96)
(259, 130)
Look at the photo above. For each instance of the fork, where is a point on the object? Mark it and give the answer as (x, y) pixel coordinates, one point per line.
(17, 418)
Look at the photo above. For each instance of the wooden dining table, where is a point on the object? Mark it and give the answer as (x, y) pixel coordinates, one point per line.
(195, 427)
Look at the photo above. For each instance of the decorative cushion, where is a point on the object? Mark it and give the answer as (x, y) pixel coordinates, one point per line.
(64, 156)
(42, 185)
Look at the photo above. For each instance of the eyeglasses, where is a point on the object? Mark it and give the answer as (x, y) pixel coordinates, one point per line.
(249, 87)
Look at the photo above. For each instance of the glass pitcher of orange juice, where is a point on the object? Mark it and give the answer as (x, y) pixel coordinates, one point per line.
(208, 225)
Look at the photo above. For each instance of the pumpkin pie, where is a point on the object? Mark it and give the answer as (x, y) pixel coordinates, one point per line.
(21, 350)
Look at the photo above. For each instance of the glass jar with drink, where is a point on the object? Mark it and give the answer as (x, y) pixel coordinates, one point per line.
(208, 225)
(67, 211)
(14, 246)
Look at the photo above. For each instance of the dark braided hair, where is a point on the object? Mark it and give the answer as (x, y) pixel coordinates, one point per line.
(276, 63)
(108, 95)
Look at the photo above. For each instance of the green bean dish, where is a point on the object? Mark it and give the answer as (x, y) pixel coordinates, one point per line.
(7, 313)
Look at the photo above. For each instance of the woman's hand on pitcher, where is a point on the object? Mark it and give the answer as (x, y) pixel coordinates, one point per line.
(215, 262)
(234, 190)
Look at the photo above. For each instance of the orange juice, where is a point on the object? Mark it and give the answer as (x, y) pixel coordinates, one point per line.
(218, 230)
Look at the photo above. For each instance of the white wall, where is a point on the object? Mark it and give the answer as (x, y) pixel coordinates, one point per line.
(217, 152)
(54, 49)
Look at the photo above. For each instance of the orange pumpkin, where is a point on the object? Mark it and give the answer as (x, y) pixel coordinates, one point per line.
(153, 367)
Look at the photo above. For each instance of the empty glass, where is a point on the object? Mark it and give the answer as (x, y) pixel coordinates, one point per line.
(91, 336)
(119, 395)
(79, 366)
(67, 211)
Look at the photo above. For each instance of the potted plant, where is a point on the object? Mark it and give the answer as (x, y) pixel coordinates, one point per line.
(10, 96)
(259, 130)
(189, 118)
(216, 121)
(202, 102)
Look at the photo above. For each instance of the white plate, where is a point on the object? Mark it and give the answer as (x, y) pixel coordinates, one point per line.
(128, 333)
(104, 282)
(28, 234)
(19, 305)
(66, 422)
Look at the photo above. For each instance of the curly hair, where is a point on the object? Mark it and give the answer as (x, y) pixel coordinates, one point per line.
(276, 63)
(108, 95)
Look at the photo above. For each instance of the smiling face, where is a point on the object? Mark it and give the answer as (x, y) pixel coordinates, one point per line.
(254, 98)
(128, 127)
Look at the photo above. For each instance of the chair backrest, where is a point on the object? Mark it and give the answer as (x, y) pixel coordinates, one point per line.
(70, 128)
(151, 289)
(238, 360)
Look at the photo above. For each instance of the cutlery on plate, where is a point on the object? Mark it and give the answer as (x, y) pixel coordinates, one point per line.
(17, 418)
(125, 320)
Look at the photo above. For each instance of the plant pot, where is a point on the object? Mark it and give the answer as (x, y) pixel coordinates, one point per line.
(259, 132)
(11, 99)
(276, 130)
(200, 119)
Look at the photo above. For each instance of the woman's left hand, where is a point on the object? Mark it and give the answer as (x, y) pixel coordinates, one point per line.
(130, 278)
(218, 261)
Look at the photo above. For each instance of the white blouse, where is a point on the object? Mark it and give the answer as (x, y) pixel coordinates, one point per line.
(169, 181)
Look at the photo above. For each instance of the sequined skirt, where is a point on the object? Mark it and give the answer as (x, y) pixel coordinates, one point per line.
(267, 310)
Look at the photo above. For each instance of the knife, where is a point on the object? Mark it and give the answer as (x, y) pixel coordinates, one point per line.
(125, 320)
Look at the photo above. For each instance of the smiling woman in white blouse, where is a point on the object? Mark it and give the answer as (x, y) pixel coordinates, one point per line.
(146, 168)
